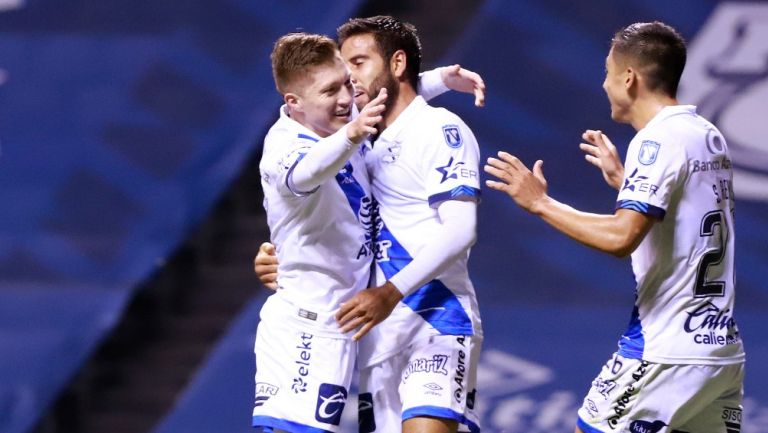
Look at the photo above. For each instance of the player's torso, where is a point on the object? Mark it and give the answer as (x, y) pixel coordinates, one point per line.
(323, 239)
(400, 163)
(684, 267)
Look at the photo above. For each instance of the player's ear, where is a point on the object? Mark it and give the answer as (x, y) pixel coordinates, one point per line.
(293, 101)
(398, 63)
(630, 78)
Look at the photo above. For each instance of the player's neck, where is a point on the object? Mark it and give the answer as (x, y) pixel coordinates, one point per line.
(405, 95)
(647, 107)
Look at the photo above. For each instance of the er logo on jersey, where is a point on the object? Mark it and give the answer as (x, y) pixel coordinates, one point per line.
(452, 136)
(454, 170)
(649, 150)
(330, 403)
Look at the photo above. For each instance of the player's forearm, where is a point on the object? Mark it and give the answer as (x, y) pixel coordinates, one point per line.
(457, 235)
(431, 84)
(323, 160)
(607, 233)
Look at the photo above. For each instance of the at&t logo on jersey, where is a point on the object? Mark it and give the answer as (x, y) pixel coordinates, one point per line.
(726, 76)
(330, 403)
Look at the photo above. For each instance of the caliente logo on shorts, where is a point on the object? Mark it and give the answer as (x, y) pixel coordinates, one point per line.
(330, 403)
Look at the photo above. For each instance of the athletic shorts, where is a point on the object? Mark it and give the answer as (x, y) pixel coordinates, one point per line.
(302, 378)
(434, 377)
(632, 395)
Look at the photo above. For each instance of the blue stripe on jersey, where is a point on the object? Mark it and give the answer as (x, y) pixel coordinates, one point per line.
(459, 191)
(586, 428)
(643, 208)
(440, 412)
(309, 137)
(352, 189)
(434, 302)
(269, 423)
(289, 182)
(632, 343)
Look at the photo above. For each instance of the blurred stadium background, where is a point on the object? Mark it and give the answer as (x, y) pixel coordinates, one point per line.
(130, 206)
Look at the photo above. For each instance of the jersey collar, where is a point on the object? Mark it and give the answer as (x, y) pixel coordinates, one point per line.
(402, 120)
(671, 110)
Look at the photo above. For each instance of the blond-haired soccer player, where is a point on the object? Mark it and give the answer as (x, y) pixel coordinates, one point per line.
(680, 363)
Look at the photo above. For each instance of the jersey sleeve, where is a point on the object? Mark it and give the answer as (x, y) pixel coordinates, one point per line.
(453, 164)
(652, 171)
(284, 153)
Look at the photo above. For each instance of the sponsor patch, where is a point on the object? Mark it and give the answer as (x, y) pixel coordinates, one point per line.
(330, 403)
(642, 426)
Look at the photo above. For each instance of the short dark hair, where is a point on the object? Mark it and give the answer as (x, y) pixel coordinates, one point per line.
(295, 53)
(659, 51)
(390, 35)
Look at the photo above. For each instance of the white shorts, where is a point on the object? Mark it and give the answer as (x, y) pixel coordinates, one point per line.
(302, 378)
(434, 377)
(632, 395)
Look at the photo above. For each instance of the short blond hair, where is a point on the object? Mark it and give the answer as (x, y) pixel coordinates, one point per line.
(295, 53)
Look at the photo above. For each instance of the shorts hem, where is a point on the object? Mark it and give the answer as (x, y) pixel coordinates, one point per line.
(441, 412)
(270, 423)
(586, 428)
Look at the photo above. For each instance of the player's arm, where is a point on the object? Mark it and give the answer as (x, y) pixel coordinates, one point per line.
(368, 308)
(326, 157)
(440, 80)
(618, 234)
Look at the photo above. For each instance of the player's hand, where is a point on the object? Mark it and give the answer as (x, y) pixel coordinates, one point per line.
(265, 265)
(528, 189)
(370, 116)
(368, 308)
(601, 153)
(462, 80)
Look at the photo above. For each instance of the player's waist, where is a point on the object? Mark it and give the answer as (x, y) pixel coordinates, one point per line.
(282, 310)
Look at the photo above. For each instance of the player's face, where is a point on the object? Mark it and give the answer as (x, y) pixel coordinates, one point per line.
(326, 98)
(615, 86)
(369, 71)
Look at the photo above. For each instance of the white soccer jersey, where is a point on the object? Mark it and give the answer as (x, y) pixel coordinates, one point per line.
(323, 237)
(428, 155)
(678, 169)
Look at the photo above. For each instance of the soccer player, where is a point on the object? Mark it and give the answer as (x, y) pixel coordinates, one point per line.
(680, 363)
(320, 213)
(418, 369)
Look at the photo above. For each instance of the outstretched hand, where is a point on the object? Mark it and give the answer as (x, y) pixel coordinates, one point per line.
(463, 80)
(265, 265)
(368, 308)
(370, 116)
(601, 153)
(528, 189)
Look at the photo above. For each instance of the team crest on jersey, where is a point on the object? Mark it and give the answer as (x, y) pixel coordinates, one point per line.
(649, 150)
(452, 136)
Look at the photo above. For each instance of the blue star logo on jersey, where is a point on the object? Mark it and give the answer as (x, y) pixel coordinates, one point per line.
(452, 136)
(449, 170)
(631, 182)
(330, 403)
(649, 150)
